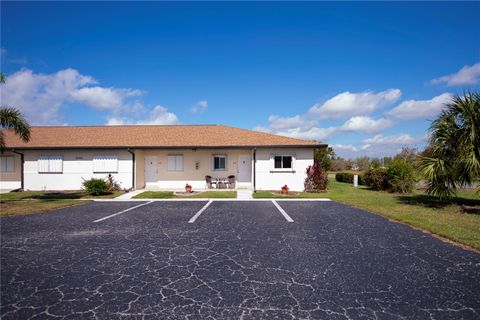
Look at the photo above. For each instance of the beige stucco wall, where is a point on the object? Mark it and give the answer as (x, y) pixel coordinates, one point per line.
(12, 180)
(190, 174)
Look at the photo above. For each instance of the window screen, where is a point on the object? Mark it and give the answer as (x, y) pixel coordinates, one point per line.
(7, 164)
(283, 162)
(105, 163)
(219, 162)
(175, 162)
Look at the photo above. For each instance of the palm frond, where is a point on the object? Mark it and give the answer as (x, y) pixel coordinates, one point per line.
(11, 118)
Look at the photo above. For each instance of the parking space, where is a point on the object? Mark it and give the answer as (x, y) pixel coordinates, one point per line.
(236, 259)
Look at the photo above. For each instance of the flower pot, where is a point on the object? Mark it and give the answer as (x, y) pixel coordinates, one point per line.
(188, 189)
(284, 191)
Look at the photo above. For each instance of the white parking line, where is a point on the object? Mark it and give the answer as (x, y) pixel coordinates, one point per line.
(123, 211)
(285, 215)
(192, 220)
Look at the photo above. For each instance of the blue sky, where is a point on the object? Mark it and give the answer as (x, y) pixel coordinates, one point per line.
(363, 77)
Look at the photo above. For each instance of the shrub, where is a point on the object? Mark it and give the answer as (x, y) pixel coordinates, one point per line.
(344, 177)
(113, 185)
(377, 179)
(347, 177)
(401, 176)
(96, 187)
(317, 179)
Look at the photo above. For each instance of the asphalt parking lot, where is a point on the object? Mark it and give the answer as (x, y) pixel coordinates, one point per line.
(230, 260)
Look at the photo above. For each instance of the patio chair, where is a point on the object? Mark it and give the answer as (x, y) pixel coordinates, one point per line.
(231, 182)
(209, 182)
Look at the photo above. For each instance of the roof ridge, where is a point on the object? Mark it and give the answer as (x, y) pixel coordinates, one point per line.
(128, 125)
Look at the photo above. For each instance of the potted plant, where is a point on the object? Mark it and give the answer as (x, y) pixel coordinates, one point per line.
(188, 188)
(285, 189)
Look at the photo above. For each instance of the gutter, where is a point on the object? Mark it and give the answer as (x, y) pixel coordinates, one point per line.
(22, 176)
(133, 168)
(165, 147)
(254, 169)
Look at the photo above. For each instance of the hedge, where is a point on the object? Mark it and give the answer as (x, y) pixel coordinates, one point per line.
(347, 177)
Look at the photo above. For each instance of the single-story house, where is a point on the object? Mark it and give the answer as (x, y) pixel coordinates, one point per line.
(163, 157)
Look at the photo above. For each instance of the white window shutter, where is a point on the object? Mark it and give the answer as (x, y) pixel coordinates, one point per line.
(56, 164)
(43, 164)
(105, 163)
(179, 163)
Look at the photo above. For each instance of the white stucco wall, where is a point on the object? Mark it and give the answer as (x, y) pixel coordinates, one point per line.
(77, 165)
(269, 178)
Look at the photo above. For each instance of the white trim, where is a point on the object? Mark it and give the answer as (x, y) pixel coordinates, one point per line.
(220, 155)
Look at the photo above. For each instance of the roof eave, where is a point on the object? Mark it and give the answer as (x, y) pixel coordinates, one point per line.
(319, 145)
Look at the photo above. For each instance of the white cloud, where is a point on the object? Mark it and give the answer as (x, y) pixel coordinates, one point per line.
(158, 115)
(282, 123)
(399, 140)
(103, 98)
(199, 107)
(41, 97)
(468, 75)
(420, 109)
(366, 124)
(344, 147)
(313, 133)
(348, 104)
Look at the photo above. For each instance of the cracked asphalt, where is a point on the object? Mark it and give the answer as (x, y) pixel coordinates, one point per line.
(239, 260)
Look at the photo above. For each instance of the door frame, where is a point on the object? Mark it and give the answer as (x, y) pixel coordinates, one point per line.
(148, 159)
(248, 158)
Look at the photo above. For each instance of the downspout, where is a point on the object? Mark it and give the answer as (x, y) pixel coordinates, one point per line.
(133, 168)
(22, 160)
(254, 169)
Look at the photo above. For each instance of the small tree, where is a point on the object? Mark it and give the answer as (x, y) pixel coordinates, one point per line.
(454, 151)
(324, 157)
(401, 177)
(317, 179)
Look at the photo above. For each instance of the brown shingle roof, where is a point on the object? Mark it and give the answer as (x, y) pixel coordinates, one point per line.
(149, 136)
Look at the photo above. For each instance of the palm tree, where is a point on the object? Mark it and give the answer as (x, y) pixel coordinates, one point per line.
(11, 118)
(454, 149)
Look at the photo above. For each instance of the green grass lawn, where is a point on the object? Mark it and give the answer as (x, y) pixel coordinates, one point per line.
(171, 195)
(300, 195)
(443, 218)
(27, 202)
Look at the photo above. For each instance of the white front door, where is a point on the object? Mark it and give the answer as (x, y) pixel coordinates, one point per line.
(244, 165)
(151, 170)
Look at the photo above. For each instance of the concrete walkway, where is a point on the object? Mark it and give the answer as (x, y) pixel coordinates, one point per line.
(129, 195)
(244, 194)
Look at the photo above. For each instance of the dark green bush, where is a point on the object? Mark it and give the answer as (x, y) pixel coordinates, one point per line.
(344, 177)
(401, 176)
(96, 187)
(377, 179)
(347, 177)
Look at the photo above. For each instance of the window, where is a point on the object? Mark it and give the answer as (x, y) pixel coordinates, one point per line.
(219, 162)
(283, 162)
(105, 163)
(175, 162)
(7, 164)
(50, 164)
